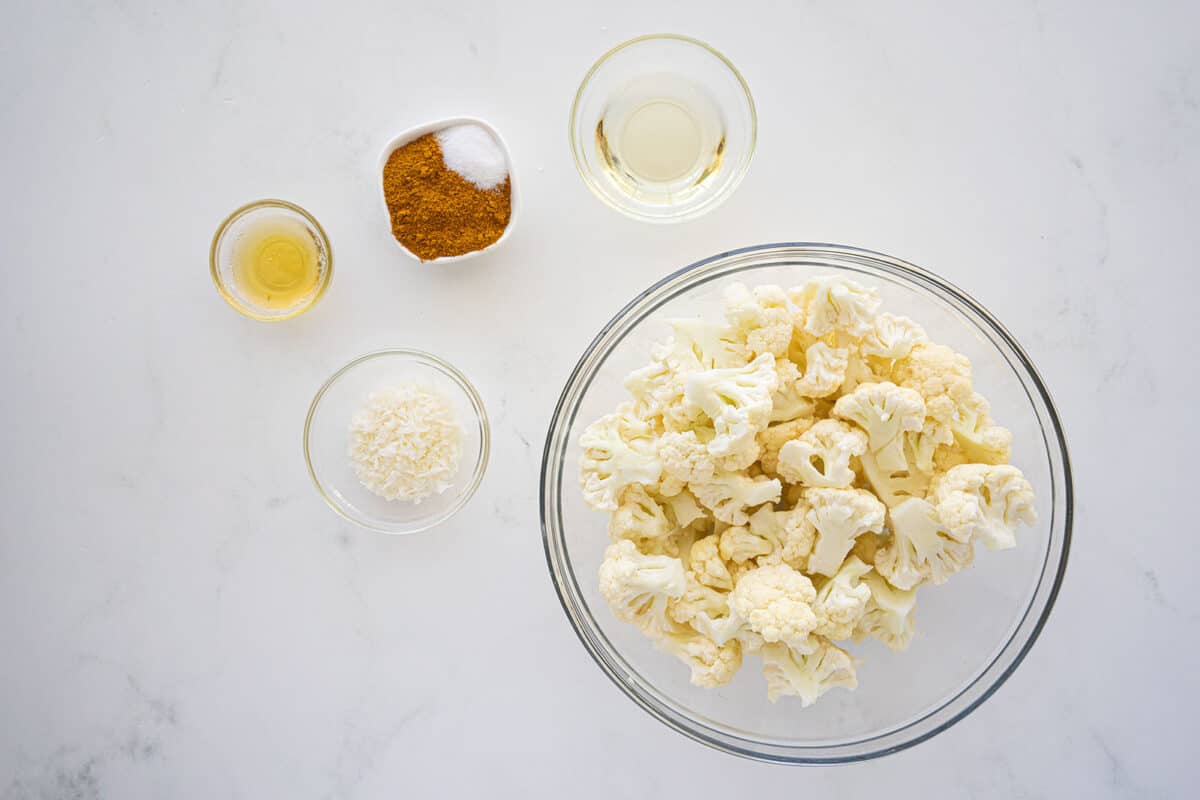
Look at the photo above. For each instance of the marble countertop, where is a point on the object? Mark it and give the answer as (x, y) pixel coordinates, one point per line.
(182, 615)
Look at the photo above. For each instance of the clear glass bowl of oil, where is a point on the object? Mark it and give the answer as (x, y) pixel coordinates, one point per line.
(663, 128)
(271, 260)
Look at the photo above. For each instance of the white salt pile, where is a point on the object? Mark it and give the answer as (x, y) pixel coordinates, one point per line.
(473, 152)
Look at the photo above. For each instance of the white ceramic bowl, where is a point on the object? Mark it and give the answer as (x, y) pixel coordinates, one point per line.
(412, 134)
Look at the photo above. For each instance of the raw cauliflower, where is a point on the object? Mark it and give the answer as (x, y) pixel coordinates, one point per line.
(839, 515)
(843, 600)
(736, 400)
(707, 566)
(985, 502)
(824, 370)
(889, 613)
(618, 450)
(892, 337)
(776, 603)
(922, 547)
(639, 516)
(729, 494)
(886, 412)
(807, 674)
(788, 477)
(772, 439)
(637, 585)
(830, 303)
(821, 455)
(762, 318)
(790, 532)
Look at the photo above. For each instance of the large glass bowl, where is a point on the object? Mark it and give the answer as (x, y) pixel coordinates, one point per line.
(972, 632)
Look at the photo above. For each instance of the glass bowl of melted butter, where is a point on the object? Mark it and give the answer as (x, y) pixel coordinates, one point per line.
(271, 260)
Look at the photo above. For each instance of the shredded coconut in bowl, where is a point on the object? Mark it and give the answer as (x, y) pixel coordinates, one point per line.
(406, 443)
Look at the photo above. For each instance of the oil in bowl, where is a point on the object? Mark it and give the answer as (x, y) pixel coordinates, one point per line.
(271, 260)
(663, 128)
(276, 262)
(661, 137)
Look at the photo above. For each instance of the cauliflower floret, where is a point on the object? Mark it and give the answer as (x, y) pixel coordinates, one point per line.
(889, 614)
(842, 601)
(840, 516)
(788, 402)
(821, 455)
(706, 610)
(706, 566)
(921, 547)
(824, 370)
(980, 438)
(683, 508)
(675, 545)
(654, 388)
(925, 443)
(638, 586)
(712, 665)
(830, 303)
(684, 457)
(886, 412)
(696, 345)
(739, 545)
(762, 318)
(858, 372)
(940, 375)
(638, 517)
(729, 494)
(807, 676)
(790, 533)
(618, 450)
(893, 487)
(741, 458)
(774, 437)
(892, 337)
(776, 603)
(738, 401)
(984, 502)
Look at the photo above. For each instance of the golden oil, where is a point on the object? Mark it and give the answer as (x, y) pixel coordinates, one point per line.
(660, 138)
(276, 262)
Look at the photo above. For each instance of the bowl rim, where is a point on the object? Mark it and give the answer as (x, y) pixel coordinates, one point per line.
(714, 200)
(416, 132)
(651, 703)
(214, 252)
(485, 437)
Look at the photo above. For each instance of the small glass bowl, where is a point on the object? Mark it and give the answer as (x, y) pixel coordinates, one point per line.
(680, 71)
(220, 257)
(327, 432)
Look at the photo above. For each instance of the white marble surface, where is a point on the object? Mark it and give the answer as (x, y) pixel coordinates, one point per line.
(180, 614)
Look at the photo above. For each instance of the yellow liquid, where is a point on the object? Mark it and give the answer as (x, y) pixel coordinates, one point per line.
(276, 263)
(661, 141)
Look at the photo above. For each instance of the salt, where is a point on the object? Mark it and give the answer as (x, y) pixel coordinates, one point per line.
(473, 152)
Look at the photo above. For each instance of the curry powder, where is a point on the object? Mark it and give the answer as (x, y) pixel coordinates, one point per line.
(436, 212)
